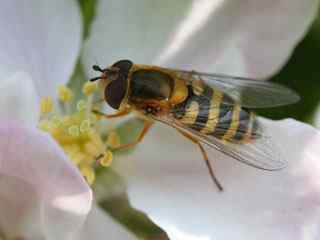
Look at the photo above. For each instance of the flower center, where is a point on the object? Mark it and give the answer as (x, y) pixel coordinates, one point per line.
(78, 131)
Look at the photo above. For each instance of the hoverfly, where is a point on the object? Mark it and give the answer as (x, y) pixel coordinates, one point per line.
(211, 109)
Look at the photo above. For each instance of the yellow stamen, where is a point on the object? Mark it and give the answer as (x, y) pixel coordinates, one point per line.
(44, 125)
(93, 150)
(96, 139)
(107, 158)
(81, 105)
(74, 131)
(72, 148)
(46, 105)
(56, 121)
(88, 173)
(89, 88)
(77, 158)
(65, 93)
(85, 126)
(78, 132)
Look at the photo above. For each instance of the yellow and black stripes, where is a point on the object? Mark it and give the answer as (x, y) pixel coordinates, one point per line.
(213, 113)
(238, 125)
(233, 123)
(187, 113)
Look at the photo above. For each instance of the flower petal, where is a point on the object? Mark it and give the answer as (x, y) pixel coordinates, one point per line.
(168, 180)
(18, 203)
(45, 186)
(206, 35)
(101, 226)
(19, 100)
(41, 37)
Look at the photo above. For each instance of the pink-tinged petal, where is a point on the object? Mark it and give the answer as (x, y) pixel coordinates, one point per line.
(167, 178)
(255, 36)
(41, 188)
(19, 100)
(100, 226)
(19, 203)
(41, 37)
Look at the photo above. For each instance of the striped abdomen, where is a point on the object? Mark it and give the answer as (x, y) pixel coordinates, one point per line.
(211, 112)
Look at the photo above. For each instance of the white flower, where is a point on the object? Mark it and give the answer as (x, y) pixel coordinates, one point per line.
(168, 179)
(247, 38)
(42, 194)
(166, 175)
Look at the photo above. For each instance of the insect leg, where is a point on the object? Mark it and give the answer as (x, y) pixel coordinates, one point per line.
(205, 157)
(117, 114)
(213, 177)
(146, 127)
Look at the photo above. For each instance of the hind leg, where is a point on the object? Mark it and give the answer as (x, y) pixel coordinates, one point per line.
(206, 159)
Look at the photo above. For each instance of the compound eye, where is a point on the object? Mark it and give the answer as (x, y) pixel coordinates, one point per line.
(124, 66)
(116, 91)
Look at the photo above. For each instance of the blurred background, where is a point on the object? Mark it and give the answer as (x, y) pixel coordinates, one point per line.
(301, 73)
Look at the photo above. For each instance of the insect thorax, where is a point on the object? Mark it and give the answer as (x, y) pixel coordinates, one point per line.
(149, 88)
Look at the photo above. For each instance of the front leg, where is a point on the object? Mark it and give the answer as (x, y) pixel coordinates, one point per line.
(147, 125)
(108, 116)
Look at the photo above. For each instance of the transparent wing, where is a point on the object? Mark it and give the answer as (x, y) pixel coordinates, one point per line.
(249, 93)
(261, 152)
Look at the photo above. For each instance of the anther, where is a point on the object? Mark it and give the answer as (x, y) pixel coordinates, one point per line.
(74, 131)
(46, 105)
(65, 93)
(77, 132)
(56, 121)
(85, 126)
(106, 159)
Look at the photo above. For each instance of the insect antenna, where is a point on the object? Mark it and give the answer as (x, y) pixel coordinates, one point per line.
(97, 68)
(95, 79)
